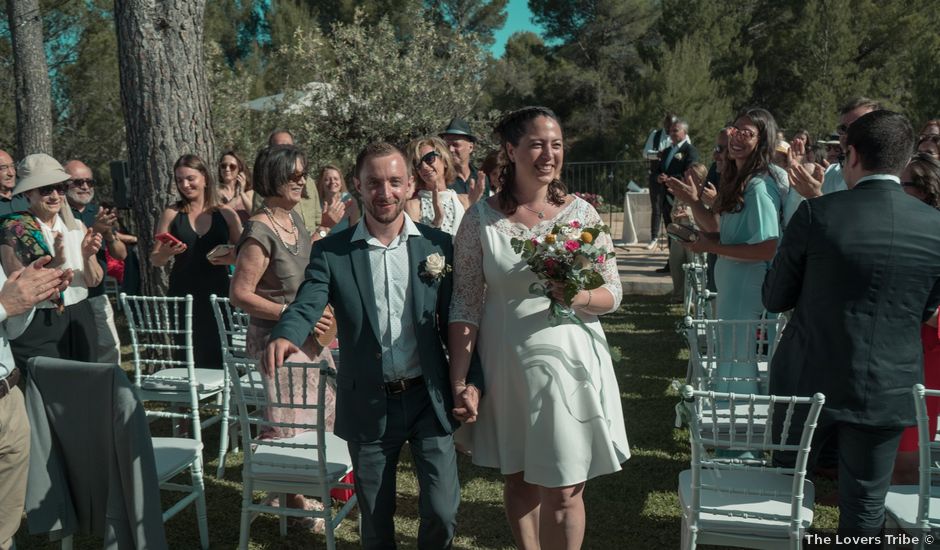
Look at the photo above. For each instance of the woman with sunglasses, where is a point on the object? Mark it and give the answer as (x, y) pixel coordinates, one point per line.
(64, 326)
(199, 224)
(742, 228)
(235, 185)
(335, 200)
(929, 145)
(272, 258)
(434, 204)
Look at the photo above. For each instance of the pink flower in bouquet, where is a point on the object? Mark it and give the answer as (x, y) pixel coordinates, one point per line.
(571, 246)
(550, 265)
(535, 242)
(576, 224)
(18, 229)
(601, 259)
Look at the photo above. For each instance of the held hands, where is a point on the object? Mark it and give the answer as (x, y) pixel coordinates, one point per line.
(30, 285)
(91, 244)
(557, 291)
(277, 351)
(466, 402)
(324, 323)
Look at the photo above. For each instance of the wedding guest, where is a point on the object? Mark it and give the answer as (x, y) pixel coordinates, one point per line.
(657, 143)
(930, 128)
(235, 189)
(336, 200)
(317, 224)
(560, 374)
(802, 144)
(199, 224)
(9, 203)
(682, 214)
(490, 167)
(742, 229)
(63, 326)
(434, 204)
(272, 254)
(861, 271)
(461, 142)
(921, 180)
(929, 145)
(19, 293)
(676, 160)
(101, 218)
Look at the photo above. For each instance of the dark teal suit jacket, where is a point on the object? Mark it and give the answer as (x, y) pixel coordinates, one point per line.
(862, 270)
(339, 273)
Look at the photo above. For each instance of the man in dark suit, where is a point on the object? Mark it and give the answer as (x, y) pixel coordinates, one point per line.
(389, 284)
(862, 270)
(675, 161)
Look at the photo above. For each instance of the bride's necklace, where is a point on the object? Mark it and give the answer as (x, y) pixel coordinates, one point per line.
(292, 249)
(539, 213)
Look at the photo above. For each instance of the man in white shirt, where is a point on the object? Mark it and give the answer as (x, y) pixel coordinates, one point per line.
(657, 145)
(24, 289)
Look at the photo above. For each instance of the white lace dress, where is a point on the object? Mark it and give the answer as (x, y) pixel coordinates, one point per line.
(452, 208)
(552, 405)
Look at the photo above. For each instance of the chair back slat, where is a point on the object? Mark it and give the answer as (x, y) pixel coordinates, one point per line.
(739, 346)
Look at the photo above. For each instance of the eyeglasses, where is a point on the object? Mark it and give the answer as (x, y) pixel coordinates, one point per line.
(929, 137)
(298, 177)
(746, 133)
(79, 182)
(428, 158)
(50, 189)
(232, 167)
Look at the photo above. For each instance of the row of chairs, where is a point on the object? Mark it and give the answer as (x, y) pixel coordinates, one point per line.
(311, 463)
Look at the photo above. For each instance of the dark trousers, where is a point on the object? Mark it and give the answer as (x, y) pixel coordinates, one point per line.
(710, 260)
(410, 418)
(67, 335)
(660, 210)
(866, 462)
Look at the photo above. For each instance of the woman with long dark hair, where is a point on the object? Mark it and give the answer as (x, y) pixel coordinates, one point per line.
(235, 185)
(199, 224)
(742, 229)
(551, 417)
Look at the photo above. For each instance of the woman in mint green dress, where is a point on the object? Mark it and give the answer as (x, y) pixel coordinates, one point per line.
(746, 217)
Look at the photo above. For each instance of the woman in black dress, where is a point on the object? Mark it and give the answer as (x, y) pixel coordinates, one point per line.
(200, 223)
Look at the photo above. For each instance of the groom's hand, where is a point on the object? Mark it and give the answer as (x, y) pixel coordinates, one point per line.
(277, 350)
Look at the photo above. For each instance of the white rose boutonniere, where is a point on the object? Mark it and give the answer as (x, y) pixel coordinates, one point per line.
(678, 156)
(435, 267)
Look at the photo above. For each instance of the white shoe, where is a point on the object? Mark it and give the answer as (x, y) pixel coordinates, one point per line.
(652, 245)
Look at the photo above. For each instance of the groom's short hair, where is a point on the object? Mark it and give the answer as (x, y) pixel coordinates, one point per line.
(379, 149)
(883, 140)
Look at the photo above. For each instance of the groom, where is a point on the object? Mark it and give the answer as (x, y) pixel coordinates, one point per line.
(387, 279)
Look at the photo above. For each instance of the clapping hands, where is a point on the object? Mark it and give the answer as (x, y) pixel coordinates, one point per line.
(807, 182)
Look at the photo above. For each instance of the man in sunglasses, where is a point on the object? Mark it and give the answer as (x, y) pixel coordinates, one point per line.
(80, 193)
(818, 181)
(9, 203)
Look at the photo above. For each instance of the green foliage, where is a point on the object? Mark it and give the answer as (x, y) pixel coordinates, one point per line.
(373, 87)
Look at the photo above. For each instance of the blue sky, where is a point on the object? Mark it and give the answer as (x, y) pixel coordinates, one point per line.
(518, 18)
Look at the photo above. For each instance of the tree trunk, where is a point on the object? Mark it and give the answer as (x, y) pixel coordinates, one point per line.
(166, 107)
(33, 91)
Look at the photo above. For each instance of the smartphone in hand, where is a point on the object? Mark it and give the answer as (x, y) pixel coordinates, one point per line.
(167, 239)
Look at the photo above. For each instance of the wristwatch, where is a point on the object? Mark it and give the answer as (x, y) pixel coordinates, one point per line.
(322, 233)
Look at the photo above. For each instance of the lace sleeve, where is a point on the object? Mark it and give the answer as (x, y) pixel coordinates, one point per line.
(611, 274)
(466, 305)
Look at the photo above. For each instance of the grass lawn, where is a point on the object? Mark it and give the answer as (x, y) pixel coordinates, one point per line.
(633, 508)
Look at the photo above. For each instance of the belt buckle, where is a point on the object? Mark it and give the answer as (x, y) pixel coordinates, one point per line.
(395, 387)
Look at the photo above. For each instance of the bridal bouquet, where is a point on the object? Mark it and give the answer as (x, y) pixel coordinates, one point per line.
(568, 254)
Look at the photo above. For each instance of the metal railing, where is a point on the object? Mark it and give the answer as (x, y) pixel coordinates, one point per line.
(606, 179)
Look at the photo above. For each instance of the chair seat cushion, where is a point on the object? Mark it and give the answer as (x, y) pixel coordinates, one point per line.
(300, 464)
(174, 454)
(901, 504)
(176, 379)
(742, 505)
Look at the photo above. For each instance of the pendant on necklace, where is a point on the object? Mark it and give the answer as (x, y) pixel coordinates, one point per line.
(541, 215)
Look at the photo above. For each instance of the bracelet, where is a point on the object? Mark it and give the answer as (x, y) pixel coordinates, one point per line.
(283, 309)
(590, 295)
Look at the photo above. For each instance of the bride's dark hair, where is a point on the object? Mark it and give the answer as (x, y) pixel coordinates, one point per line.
(510, 130)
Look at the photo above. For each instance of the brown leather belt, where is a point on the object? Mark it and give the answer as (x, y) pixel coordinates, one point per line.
(9, 382)
(396, 387)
